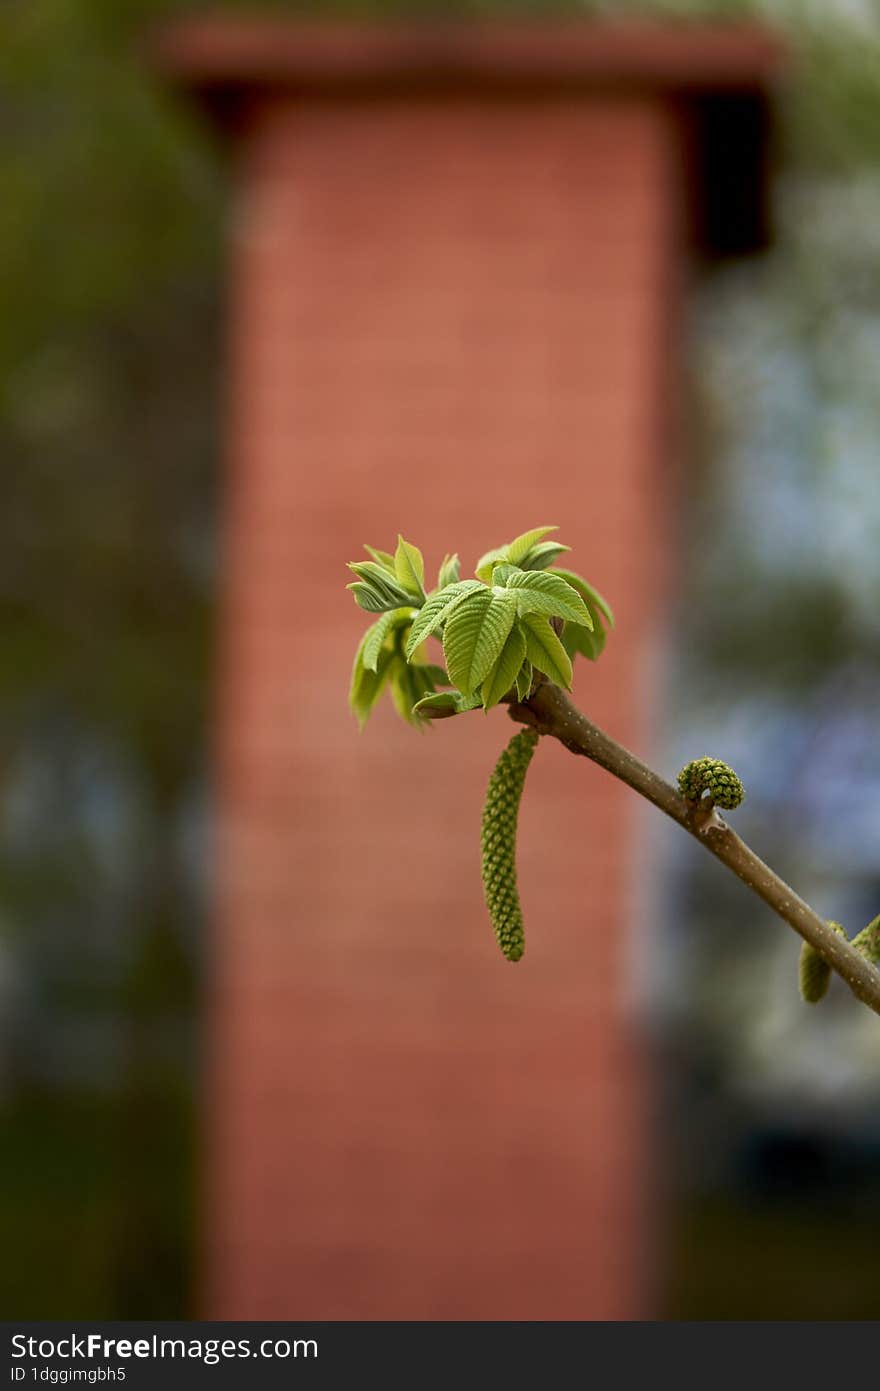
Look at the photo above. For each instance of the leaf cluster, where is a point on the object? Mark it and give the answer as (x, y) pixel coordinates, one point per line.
(520, 618)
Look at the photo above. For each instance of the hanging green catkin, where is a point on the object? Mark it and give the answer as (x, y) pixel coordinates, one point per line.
(814, 973)
(868, 942)
(712, 776)
(499, 842)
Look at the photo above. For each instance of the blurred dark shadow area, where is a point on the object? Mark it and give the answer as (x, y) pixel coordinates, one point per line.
(765, 1114)
(109, 413)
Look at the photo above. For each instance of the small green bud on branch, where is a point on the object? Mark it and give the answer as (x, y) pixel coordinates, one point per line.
(712, 776)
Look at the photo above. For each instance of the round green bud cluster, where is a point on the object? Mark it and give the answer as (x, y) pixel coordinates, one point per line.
(814, 973)
(498, 840)
(712, 776)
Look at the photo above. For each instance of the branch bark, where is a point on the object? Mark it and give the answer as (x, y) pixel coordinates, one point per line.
(549, 711)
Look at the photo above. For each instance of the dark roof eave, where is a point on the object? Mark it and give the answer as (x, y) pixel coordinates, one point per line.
(722, 74)
(676, 56)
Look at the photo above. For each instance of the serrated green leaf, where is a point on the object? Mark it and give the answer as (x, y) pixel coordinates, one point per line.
(437, 674)
(578, 639)
(524, 680)
(502, 676)
(368, 599)
(521, 545)
(408, 684)
(591, 597)
(381, 558)
(449, 571)
(358, 668)
(435, 610)
(476, 631)
(366, 685)
(487, 563)
(410, 567)
(386, 587)
(444, 704)
(545, 651)
(542, 555)
(501, 573)
(373, 573)
(422, 675)
(404, 691)
(539, 591)
(375, 637)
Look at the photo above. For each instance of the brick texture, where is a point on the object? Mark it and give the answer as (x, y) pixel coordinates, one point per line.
(451, 317)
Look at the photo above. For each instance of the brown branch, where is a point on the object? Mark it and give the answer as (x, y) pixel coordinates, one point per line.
(549, 711)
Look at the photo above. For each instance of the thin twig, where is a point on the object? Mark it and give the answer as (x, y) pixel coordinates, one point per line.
(549, 711)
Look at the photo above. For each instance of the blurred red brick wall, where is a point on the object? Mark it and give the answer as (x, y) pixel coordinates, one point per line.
(451, 318)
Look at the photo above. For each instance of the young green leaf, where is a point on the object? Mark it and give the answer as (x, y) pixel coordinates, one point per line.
(591, 597)
(366, 685)
(524, 680)
(590, 644)
(357, 668)
(521, 545)
(381, 558)
(410, 567)
(409, 683)
(371, 572)
(502, 572)
(487, 563)
(423, 676)
(577, 638)
(386, 587)
(542, 555)
(444, 704)
(449, 571)
(540, 591)
(375, 635)
(404, 690)
(369, 599)
(436, 609)
(475, 633)
(545, 651)
(437, 674)
(502, 676)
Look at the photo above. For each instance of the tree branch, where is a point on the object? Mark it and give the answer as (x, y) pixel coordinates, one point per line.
(549, 711)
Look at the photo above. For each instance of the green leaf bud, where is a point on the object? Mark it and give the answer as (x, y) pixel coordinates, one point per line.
(712, 776)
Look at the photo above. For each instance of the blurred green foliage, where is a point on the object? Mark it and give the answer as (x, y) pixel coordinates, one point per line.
(109, 326)
(110, 359)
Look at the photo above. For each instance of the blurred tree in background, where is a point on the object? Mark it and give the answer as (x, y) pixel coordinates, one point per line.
(109, 279)
(110, 412)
